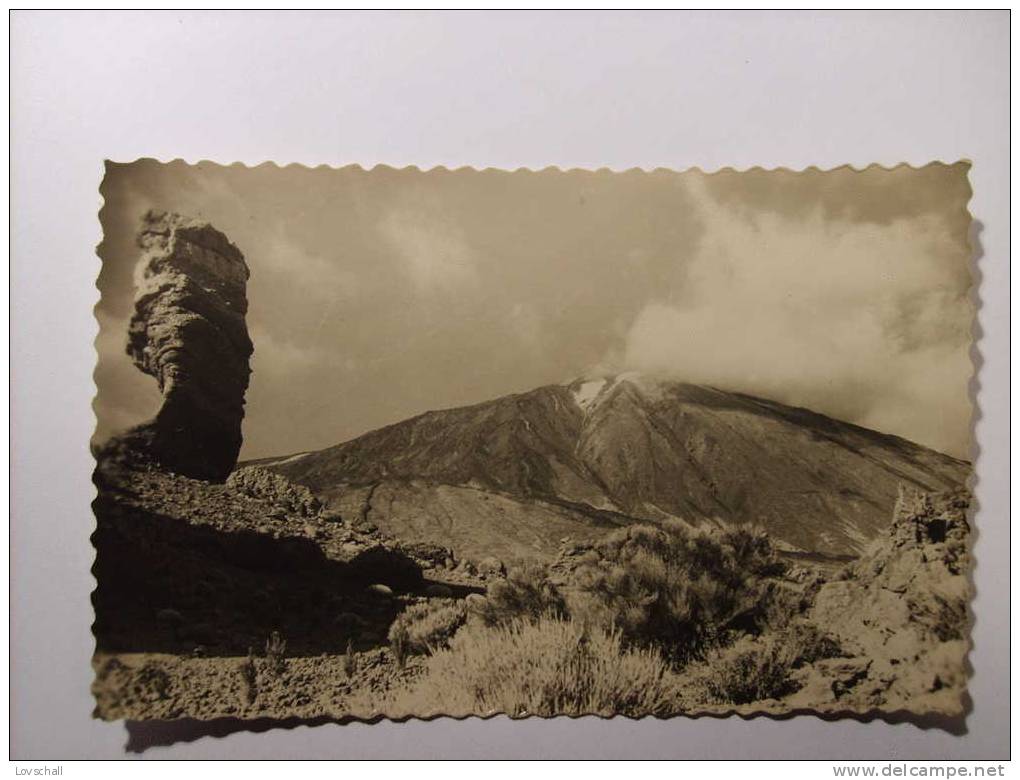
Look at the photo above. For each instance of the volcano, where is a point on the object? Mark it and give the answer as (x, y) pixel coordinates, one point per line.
(519, 475)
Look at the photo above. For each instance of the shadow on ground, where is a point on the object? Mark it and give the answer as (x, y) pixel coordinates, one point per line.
(169, 586)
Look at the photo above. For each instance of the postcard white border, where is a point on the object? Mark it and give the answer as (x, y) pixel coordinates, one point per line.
(507, 90)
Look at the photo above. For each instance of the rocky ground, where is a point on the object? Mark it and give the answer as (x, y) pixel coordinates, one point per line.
(901, 614)
(194, 575)
(164, 686)
(250, 599)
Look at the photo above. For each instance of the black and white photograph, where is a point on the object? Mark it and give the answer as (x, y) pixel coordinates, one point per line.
(392, 442)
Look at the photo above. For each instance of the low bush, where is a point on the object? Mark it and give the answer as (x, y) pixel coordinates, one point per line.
(276, 649)
(250, 677)
(752, 669)
(681, 589)
(425, 627)
(526, 593)
(350, 661)
(807, 643)
(541, 667)
(749, 670)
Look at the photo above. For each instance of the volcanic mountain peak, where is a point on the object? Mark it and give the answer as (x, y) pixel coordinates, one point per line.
(619, 449)
(586, 393)
(590, 391)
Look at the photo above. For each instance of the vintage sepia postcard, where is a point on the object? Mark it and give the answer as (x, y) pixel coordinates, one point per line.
(464, 442)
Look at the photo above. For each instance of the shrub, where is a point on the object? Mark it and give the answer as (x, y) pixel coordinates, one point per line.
(424, 628)
(276, 647)
(525, 593)
(350, 662)
(541, 667)
(679, 588)
(747, 671)
(249, 676)
(752, 669)
(807, 643)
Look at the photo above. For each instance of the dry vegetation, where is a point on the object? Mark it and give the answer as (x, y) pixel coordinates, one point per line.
(424, 628)
(651, 621)
(543, 666)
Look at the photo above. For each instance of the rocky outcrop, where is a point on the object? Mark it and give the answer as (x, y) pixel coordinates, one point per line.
(900, 614)
(188, 331)
(257, 482)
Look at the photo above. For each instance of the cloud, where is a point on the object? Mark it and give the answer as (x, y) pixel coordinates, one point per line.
(317, 276)
(526, 324)
(378, 294)
(863, 321)
(281, 357)
(433, 253)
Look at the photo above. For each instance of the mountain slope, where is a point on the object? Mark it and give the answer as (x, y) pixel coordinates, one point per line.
(634, 447)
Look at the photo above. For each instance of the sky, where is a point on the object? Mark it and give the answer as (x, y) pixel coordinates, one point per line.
(379, 294)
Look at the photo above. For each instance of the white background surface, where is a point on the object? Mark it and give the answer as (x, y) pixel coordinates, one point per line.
(499, 89)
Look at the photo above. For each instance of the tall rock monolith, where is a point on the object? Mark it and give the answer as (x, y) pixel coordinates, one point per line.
(188, 331)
